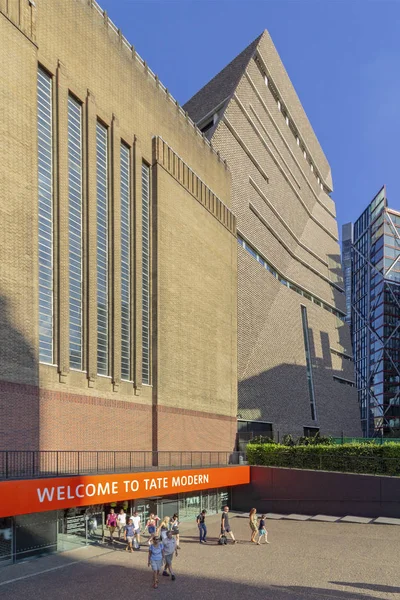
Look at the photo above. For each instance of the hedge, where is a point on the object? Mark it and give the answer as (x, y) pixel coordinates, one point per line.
(347, 458)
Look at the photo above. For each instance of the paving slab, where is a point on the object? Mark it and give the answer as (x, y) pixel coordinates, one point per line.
(274, 516)
(325, 518)
(387, 521)
(295, 517)
(351, 519)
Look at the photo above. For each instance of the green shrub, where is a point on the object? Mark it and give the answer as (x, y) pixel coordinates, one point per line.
(314, 440)
(346, 458)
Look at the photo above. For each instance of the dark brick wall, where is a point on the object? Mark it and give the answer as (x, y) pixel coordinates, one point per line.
(286, 491)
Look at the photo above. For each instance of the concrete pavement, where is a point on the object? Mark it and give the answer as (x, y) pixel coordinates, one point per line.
(318, 560)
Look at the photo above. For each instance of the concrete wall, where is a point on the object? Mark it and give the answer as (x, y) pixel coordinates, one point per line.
(286, 491)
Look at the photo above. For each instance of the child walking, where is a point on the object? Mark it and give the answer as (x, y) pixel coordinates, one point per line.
(262, 531)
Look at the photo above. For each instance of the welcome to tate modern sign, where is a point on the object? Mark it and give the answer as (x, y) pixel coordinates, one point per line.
(39, 495)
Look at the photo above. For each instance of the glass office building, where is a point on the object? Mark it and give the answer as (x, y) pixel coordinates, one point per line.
(375, 315)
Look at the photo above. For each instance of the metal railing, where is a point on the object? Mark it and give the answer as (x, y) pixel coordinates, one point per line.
(378, 441)
(18, 464)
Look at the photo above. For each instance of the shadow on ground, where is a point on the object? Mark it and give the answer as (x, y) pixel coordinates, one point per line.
(389, 589)
(99, 578)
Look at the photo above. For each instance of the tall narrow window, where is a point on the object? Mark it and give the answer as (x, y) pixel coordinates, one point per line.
(145, 274)
(45, 174)
(125, 264)
(102, 250)
(310, 379)
(75, 231)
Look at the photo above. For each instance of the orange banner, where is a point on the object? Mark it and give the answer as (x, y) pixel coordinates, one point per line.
(26, 496)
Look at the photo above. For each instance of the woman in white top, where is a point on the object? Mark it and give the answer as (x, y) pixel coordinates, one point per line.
(121, 522)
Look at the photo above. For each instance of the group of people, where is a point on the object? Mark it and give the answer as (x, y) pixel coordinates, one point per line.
(225, 526)
(257, 526)
(163, 538)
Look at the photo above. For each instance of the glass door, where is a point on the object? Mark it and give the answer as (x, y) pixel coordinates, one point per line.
(72, 529)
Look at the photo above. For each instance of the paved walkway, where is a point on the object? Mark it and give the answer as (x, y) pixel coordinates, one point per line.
(311, 559)
(331, 519)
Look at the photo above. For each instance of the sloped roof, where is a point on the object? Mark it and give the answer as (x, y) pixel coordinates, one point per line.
(221, 87)
(218, 92)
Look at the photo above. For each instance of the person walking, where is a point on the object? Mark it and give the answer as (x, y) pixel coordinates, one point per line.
(225, 525)
(163, 528)
(156, 559)
(121, 522)
(170, 548)
(92, 525)
(174, 522)
(262, 531)
(151, 527)
(129, 533)
(111, 524)
(201, 523)
(136, 525)
(253, 522)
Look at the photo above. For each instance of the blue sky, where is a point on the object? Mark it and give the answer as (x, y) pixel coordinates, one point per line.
(343, 57)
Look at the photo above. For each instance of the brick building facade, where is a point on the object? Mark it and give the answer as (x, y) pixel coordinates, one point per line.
(295, 367)
(118, 279)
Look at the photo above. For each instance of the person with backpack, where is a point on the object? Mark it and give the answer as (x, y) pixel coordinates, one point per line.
(156, 558)
(225, 525)
(201, 524)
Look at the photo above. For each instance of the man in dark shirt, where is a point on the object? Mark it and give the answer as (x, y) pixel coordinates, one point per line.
(201, 523)
(225, 526)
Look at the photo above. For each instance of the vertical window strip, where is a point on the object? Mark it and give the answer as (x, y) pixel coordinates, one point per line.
(125, 265)
(45, 177)
(102, 250)
(145, 274)
(310, 379)
(75, 231)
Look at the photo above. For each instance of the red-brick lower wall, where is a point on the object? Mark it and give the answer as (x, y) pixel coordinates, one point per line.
(32, 419)
(76, 422)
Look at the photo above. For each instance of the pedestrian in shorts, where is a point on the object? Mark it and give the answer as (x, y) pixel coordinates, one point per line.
(262, 531)
(136, 525)
(170, 548)
(225, 525)
(129, 532)
(121, 522)
(156, 559)
(111, 524)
